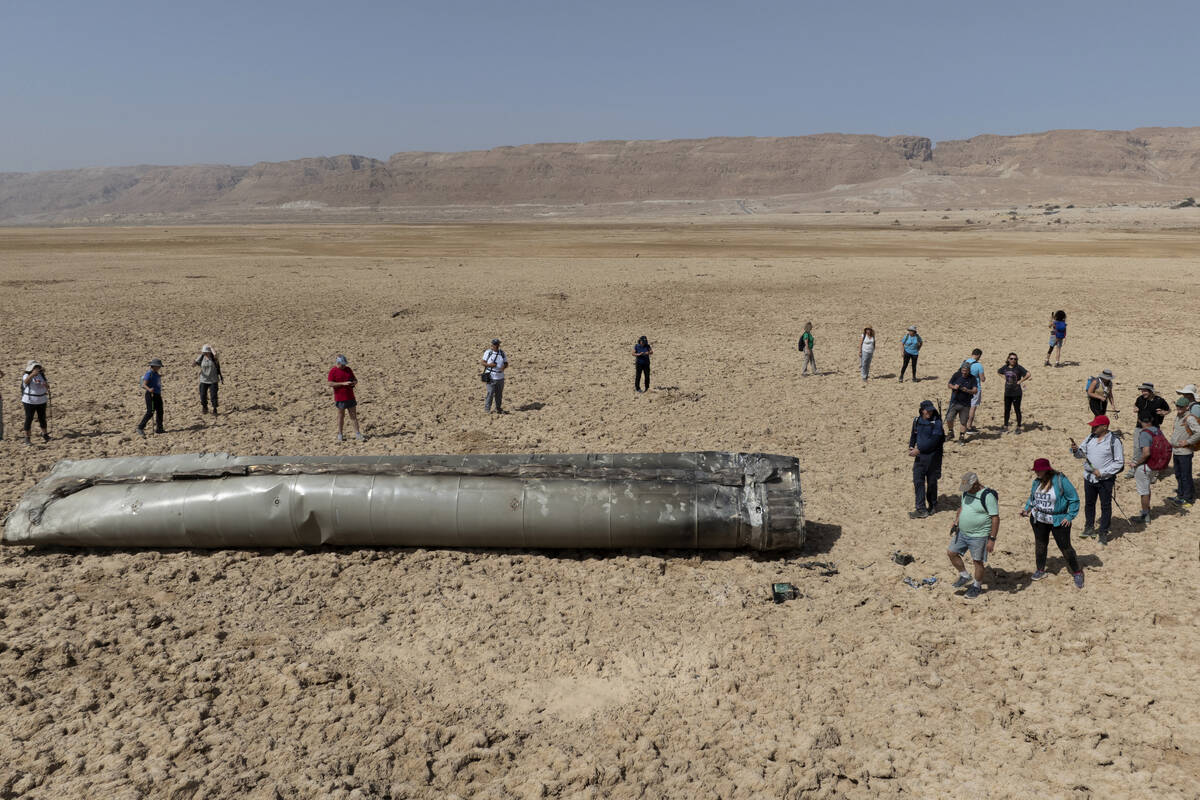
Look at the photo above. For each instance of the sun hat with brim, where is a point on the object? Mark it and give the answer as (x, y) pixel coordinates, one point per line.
(1100, 420)
(495, 341)
(341, 361)
(206, 349)
(1189, 389)
(912, 328)
(156, 362)
(968, 480)
(1106, 374)
(1146, 387)
(1042, 465)
(29, 367)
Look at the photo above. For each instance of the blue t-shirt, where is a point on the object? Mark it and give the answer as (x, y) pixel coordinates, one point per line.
(912, 344)
(1060, 329)
(642, 351)
(976, 370)
(153, 380)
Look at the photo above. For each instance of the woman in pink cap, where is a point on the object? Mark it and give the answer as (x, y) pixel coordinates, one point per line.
(1052, 504)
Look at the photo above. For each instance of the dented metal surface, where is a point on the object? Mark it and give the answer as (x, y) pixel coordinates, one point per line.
(624, 500)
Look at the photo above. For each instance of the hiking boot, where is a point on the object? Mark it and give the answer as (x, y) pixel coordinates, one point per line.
(1142, 519)
(973, 591)
(27, 442)
(160, 430)
(961, 582)
(1087, 532)
(1078, 576)
(920, 513)
(1102, 536)
(1038, 575)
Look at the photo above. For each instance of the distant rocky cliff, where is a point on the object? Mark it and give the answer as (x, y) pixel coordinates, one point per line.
(607, 172)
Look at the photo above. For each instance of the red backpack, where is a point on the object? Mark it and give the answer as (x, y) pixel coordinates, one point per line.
(1160, 451)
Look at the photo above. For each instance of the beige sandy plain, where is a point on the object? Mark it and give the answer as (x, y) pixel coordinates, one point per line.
(421, 673)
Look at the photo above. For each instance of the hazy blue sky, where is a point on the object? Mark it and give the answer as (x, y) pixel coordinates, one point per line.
(103, 83)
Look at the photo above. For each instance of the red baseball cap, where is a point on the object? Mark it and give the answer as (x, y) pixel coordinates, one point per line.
(1042, 465)
(1100, 420)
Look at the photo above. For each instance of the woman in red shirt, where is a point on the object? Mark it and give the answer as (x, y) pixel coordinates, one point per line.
(342, 379)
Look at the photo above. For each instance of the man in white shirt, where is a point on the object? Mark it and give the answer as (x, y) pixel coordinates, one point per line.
(495, 362)
(1103, 459)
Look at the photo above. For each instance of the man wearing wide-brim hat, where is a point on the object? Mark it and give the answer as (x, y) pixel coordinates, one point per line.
(1190, 393)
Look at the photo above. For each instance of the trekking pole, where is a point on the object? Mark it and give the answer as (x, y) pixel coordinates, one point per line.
(1091, 467)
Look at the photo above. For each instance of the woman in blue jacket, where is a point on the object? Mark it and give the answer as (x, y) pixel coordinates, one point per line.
(1052, 504)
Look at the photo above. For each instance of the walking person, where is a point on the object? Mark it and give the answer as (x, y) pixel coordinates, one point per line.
(866, 351)
(152, 386)
(925, 445)
(1015, 377)
(974, 530)
(343, 380)
(641, 359)
(806, 347)
(910, 346)
(210, 378)
(35, 395)
(1058, 332)
(1103, 457)
(1185, 439)
(1151, 457)
(1100, 394)
(962, 389)
(495, 364)
(1052, 504)
(977, 372)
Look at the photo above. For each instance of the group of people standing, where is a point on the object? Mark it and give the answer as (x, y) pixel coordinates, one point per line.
(1053, 502)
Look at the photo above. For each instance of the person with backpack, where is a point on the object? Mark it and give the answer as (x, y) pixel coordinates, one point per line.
(806, 347)
(641, 358)
(1052, 504)
(343, 380)
(1185, 439)
(910, 345)
(152, 387)
(963, 388)
(1099, 390)
(1058, 332)
(1015, 377)
(974, 531)
(495, 364)
(210, 377)
(977, 372)
(925, 445)
(1103, 457)
(1152, 457)
(35, 396)
(866, 351)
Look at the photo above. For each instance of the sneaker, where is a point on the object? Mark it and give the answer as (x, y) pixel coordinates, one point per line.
(961, 582)
(1186, 504)
(1142, 519)
(1038, 575)
(1047, 362)
(360, 437)
(1103, 537)
(1087, 533)
(974, 591)
(140, 432)
(1017, 430)
(340, 438)
(45, 437)
(1078, 576)
(1175, 501)
(921, 513)
(160, 430)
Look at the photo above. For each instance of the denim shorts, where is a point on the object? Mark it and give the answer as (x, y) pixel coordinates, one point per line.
(345, 403)
(976, 545)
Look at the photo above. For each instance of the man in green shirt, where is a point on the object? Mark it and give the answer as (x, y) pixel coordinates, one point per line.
(974, 530)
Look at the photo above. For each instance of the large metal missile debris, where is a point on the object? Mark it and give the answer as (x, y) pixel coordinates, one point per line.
(635, 500)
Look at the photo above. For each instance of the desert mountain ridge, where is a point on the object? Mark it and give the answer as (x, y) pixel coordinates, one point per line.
(631, 178)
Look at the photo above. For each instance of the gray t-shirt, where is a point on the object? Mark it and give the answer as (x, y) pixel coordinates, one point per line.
(208, 369)
(1145, 436)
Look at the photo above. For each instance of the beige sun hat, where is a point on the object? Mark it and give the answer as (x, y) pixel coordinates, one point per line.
(1189, 389)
